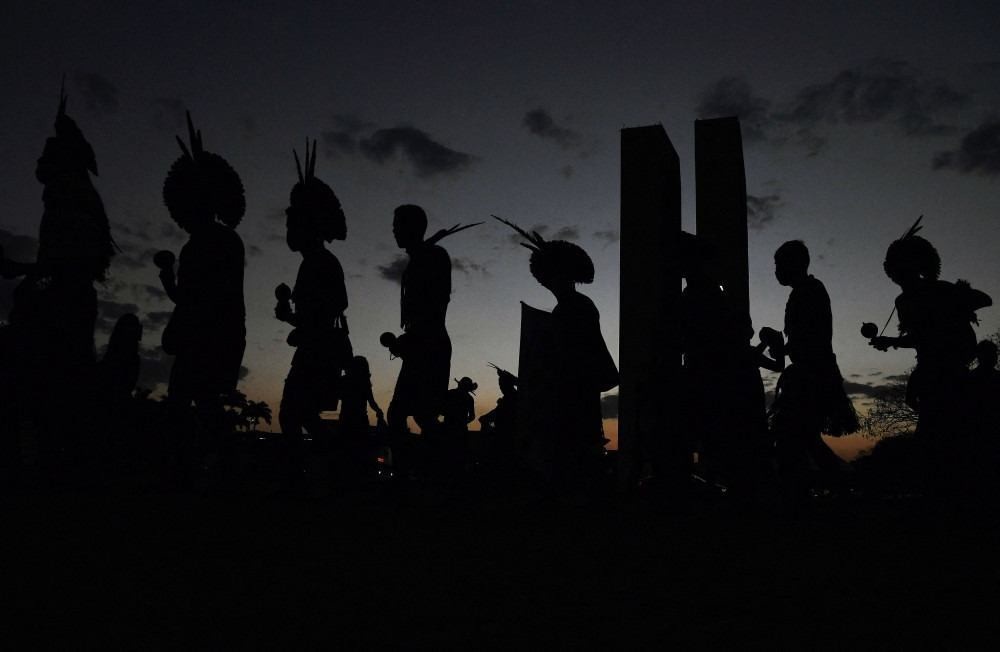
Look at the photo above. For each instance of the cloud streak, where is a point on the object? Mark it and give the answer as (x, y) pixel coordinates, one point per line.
(540, 123)
(977, 153)
(428, 157)
(762, 210)
(878, 91)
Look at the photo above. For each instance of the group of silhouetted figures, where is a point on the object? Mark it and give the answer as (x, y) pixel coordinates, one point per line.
(63, 408)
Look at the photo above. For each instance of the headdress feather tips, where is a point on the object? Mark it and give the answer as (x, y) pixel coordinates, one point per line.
(535, 241)
(310, 169)
(62, 97)
(913, 230)
(444, 233)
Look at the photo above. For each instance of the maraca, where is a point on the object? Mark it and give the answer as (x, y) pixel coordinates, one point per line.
(869, 330)
(283, 293)
(164, 259)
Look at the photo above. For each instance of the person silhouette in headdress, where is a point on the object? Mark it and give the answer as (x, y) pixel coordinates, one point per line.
(50, 339)
(497, 427)
(935, 319)
(424, 346)
(809, 398)
(316, 305)
(459, 411)
(206, 332)
(582, 357)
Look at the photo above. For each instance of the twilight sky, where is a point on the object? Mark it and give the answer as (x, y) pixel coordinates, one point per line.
(856, 120)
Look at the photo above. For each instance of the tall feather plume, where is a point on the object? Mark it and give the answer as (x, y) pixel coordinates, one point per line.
(535, 240)
(444, 233)
(298, 165)
(913, 229)
(62, 97)
(194, 136)
(311, 165)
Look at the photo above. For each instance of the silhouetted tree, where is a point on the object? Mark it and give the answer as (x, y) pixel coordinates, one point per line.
(890, 414)
(253, 413)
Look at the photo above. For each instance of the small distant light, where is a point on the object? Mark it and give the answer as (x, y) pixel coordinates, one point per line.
(722, 288)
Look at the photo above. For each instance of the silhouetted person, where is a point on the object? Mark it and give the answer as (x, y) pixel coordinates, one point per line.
(357, 397)
(935, 318)
(117, 375)
(581, 356)
(459, 407)
(985, 409)
(316, 306)
(498, 426)
(424, 345)
(206, 333)
(118, 370)
(50, 357)
(459, 411)
(724, 397)
(810, 398)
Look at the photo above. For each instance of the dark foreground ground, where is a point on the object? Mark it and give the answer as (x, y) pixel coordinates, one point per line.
(372, 566)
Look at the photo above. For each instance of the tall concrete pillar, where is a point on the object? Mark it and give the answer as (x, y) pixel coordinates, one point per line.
(649, 356)
(721, 195)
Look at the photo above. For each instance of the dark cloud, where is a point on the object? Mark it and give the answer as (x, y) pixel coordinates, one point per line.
(151, 291)
(892, 92)
(875, 91)
(567, 233)
(540, 123)
(979, 151)
(761, 210)
(467, 266)
(428, 157)
(343, 137)
(609, 406)
(22, 248)
(168, 114)
(108, 312)
(169, 231)
(394, 270)
(610, 235)
(99, 95)
(515, 238)
(134, 260)
(866, 390)
(732, 96)
(254, 250)
(157, 319)
(131, 231)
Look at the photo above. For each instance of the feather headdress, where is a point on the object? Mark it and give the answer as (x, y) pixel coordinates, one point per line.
(313, 201)
(554, 259)
(202, 185)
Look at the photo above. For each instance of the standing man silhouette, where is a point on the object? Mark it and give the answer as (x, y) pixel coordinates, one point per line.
(810, 398)
(425, 346)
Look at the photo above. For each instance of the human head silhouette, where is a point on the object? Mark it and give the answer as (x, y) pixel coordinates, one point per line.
(409, 223)
(910, 260)
(791, 262)
(314, 214)
(202, 187)
(986, 355)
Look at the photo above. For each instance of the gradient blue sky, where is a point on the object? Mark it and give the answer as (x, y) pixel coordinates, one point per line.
(476, 108)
